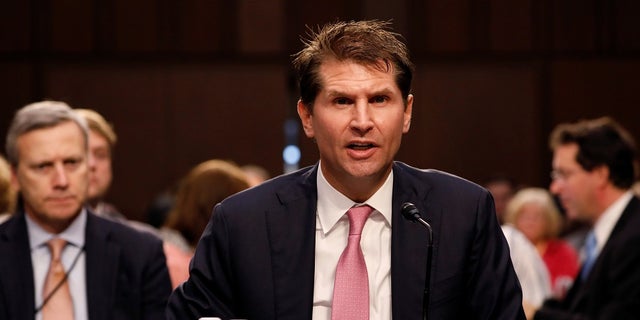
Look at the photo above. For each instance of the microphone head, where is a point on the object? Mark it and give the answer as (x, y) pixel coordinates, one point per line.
(410, 212)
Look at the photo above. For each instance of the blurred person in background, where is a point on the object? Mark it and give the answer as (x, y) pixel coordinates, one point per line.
(199, 191)
(502, 189)
(65, 261)
(7, 191)
(102, 141)
(255, 174)
(530, 269)
(533, 211)
(528, 264)
(593, 169)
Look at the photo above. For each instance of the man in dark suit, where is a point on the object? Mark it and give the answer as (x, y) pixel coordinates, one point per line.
(108, 270)
(273, 251)
(593, 171)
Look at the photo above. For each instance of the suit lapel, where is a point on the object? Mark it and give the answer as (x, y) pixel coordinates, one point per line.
(102, 265)
(409, 244)
(291, 230)
(16, 272)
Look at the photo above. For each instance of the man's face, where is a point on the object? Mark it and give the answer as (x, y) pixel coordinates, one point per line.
(358, 121)
(52, 174)
(99, 166)
(575, 186)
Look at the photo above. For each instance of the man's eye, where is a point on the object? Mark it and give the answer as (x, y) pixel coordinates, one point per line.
(71, 164)
(342, 101)
(43, 167)
(379, 99)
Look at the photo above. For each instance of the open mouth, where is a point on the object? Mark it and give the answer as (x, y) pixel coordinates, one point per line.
(360, 146)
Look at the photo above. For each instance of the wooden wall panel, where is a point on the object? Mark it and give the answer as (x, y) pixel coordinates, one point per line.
(15, 26)
(303, 14)
(231, 112)
(626, 26)
(134, 99)
(511, 26)
(201, 26)
(136, 26)
(446, 27)
(574, 25)
(261, 27)
(475, 120)
(72, 26)
(594, 88)
(17, 82)
(170, 117)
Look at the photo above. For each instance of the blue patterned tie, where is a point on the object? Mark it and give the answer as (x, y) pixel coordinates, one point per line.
(590, 247)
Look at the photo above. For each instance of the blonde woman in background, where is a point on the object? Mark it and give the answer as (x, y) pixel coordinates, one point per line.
(200, 190)
(7, 191)
(533, 211)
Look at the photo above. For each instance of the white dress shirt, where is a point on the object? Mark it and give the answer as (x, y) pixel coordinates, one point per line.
(332, 229)
(41, 258)
(529, 266)
(607, 221)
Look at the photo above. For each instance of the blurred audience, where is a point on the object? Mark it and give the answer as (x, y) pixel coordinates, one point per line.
(102, 140)
(533, 211)
(502, 189)
(7, 191)
(255, 174)
(158, 210)
(530, 269)
(198, 192)
(594, 167)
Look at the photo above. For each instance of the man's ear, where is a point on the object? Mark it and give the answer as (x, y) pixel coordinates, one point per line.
(408, 109)
(305, 114)
(602, 173)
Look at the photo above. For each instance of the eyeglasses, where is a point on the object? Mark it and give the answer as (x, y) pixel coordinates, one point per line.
(560, 174)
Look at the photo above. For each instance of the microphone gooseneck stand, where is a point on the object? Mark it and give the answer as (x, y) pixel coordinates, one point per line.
(411, 213)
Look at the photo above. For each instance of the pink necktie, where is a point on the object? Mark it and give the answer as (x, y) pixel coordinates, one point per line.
(59, 305)
(351, 287)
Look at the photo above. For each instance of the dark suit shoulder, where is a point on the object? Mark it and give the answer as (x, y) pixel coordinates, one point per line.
(438, 180)
(126, 232)
(276, 191)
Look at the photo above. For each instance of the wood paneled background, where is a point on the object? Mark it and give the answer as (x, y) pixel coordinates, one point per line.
(185, 81)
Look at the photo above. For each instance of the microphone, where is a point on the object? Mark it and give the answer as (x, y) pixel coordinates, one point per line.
(411, 213)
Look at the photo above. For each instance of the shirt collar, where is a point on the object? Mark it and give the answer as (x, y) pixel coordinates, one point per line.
(74, 234)
(332, 204)
(607, 221)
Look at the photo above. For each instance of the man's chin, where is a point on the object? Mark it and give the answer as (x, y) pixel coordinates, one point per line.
(64, 213)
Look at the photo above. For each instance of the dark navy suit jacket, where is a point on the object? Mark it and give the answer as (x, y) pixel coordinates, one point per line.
(127, 276)
(255, 259)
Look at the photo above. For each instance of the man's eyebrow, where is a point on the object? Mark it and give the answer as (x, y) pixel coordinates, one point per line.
(338, 93)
